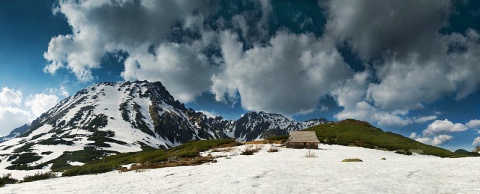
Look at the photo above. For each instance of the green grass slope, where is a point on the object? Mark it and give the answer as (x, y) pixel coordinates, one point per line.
(151, 158)
(359, 133)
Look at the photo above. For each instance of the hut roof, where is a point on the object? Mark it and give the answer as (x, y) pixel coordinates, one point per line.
(303, 136)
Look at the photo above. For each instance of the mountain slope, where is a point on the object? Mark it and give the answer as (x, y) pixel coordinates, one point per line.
(117, 117)
(359, 133)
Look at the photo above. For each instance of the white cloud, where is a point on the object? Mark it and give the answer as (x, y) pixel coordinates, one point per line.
(473, 124)
(40, 103)
(351, 96)
(434, 140)
(106, 26)
(476, 141)
(405, 85)
(437, 132)
(11, 113)
(287, 76)
(425, 119)
(184, 71)
(11, 118)
(444, 126)
(411, 68)
(15, 111)
(9, 96)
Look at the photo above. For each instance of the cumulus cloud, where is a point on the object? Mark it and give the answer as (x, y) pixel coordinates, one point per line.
(351, 96)
(103, 26)
(15, 111)
(444, 126)
(410, 62)
(11, 113)
(287, 76)
(12, 117)
(9, 96)
(435, 140)
(473, 124)
(437, 132)
(40, 103)
(185, 72)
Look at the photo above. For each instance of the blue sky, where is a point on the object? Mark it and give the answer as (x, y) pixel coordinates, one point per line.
(409, 67)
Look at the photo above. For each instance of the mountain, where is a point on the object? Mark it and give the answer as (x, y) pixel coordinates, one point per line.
(352, 132)
(466, 153)
(261, 125)
(15, 133)
(477, 149)
(117, 117)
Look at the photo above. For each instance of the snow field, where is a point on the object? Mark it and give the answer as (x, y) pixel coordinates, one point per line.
(285, 171)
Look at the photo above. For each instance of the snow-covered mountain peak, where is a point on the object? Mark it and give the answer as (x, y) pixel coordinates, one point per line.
(125, 117)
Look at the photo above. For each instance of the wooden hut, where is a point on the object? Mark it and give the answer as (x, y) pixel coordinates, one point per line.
(302, 139)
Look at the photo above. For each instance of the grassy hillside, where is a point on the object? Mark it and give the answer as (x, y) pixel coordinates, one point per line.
(358, 133)
(185, 154)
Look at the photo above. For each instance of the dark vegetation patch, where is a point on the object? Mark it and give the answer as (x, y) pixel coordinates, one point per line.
(7, 179)
(25, 148)
(26, 158)
(19, 167)
(20, 161)
(61, 163)
(39, 176)
(146, 147)
(37, 136)
(55, 141)
(7, 147)
(99, 121)
(99, 141)
(85, 110)
(47, 153)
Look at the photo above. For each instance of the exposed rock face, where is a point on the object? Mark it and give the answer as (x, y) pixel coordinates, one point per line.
(477, 149)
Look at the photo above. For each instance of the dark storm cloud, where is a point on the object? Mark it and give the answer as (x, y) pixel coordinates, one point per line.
(378, 26)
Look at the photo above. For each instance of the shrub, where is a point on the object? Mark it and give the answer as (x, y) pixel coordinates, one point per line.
(404, 152)
(272, 149)
(90, 169)
(247, 152)
(7, 179)
(250, 150)
(310, 154)
(352, 160)
(39, 176)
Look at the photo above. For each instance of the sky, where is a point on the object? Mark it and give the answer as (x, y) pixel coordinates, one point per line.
(410, 67)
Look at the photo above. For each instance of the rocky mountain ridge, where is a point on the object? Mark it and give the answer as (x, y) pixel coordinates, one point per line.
(127, 116)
